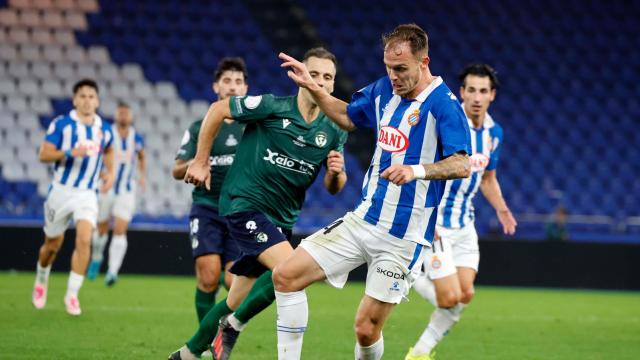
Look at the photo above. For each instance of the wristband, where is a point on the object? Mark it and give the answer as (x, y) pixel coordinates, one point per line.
(67, 153)
(418, 171)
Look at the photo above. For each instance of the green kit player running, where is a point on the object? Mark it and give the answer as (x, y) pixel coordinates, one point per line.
(286, 141)
(212, 248)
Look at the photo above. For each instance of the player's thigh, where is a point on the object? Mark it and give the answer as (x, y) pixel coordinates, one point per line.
(105, 206)
(466, 251)
(58, 212)
(84, 229)
(393, 265)
(336, 250)
(124, 208)
(297, 272)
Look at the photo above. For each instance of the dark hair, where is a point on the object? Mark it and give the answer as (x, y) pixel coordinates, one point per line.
(84, 82)
(481, 70)
(411, 33)
(321, 53)
(123, 104)
(231, 64)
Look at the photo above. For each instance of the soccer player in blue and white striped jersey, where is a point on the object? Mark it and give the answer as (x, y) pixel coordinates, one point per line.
(423, 137)
(452, 263)
(77, 144)
(120, 201)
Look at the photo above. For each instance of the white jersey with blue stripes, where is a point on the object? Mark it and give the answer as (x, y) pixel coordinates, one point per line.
(67, 132)
(423, 130)
(125, 151)
(456, 207)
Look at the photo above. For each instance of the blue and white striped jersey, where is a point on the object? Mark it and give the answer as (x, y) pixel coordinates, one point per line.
(125, 151)
(67, 132)
(410, 132)
(456, 207)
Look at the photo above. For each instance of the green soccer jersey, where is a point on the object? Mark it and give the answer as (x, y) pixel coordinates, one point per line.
(279, 157)
(220, 159)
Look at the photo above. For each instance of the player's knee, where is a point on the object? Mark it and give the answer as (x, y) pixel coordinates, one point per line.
(467, 295)
(366, 331)
(208, 280)
(448, 299)
(283, 281)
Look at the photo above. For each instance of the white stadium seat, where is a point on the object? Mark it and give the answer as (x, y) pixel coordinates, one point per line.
(41, 105)
(132, 72)
(30, 52)
(64, 37)
(13, 171)
(88, 5)
(41, 70)
(142, 90)
(63, 71)
(166, 90)
(41, 36)
(30, 18)
(8, 52)
(120, 91)
(28, 87)
(75, 20)
(98, 55)
(8, 17)
(18, 35)
(16, 103)
(7, 87)
(86, 71)
(75, 54)
(52, 19)
(21, 4)
(42, 4)
(53, 53)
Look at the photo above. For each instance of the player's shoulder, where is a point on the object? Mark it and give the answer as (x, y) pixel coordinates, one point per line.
(444, 100)
(195, 126)
(494, 127)
(59, 122)
(138, 137)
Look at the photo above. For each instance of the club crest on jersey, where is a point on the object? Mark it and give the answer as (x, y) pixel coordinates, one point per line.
(414, 117)
(392, 140)
(252, 102)
(321, 139)
(231, 141)
(478, 162)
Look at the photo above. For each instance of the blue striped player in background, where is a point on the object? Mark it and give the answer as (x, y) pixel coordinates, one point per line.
(120, 201)
(452, 263)
(423, 136)
(78, 144)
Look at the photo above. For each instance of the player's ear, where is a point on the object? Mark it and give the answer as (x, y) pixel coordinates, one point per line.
(425, 60)
(493, 94)
(215, 87)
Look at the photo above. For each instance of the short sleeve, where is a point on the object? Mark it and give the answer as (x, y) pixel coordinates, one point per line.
(496, 144)
(189, 144)
(54, 133)
(453, 128)
(362, 108)
(108, 137)
(139, 142)
(249, 109)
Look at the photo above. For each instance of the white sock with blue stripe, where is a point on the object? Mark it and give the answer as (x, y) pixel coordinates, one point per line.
(293, 314)
(442, 320)
(98, 244)
(424, 286)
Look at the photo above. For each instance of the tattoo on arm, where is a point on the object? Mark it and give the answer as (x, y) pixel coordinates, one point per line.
(455, 166)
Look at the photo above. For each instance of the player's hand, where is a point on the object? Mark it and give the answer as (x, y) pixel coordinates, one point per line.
(80, 151)
(198, 174)
(399, 174)
(335, 163)
(298, 72)
(508, 222)
(107, 181)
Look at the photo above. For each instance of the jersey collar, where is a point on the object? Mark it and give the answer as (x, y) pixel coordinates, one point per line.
(97, 120)
(487, 124)
(426, 92)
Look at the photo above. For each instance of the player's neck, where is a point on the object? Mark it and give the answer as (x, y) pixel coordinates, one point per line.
(309, 110)
(123, 130)
(477, 120)
(424, 83)
(86, 119)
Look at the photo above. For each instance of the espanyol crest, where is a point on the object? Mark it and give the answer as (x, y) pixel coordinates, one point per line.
(321, 139)
(414, 117)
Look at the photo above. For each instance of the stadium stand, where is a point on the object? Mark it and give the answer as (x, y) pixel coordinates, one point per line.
(568, 124)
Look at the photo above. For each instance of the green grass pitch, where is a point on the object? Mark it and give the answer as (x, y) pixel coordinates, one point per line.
(148, 317)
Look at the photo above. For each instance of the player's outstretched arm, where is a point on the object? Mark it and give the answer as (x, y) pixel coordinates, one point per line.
(335, 177)
(333, 107)
(198, 173)
(142, 169)
(453, 167)
(490, 188)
